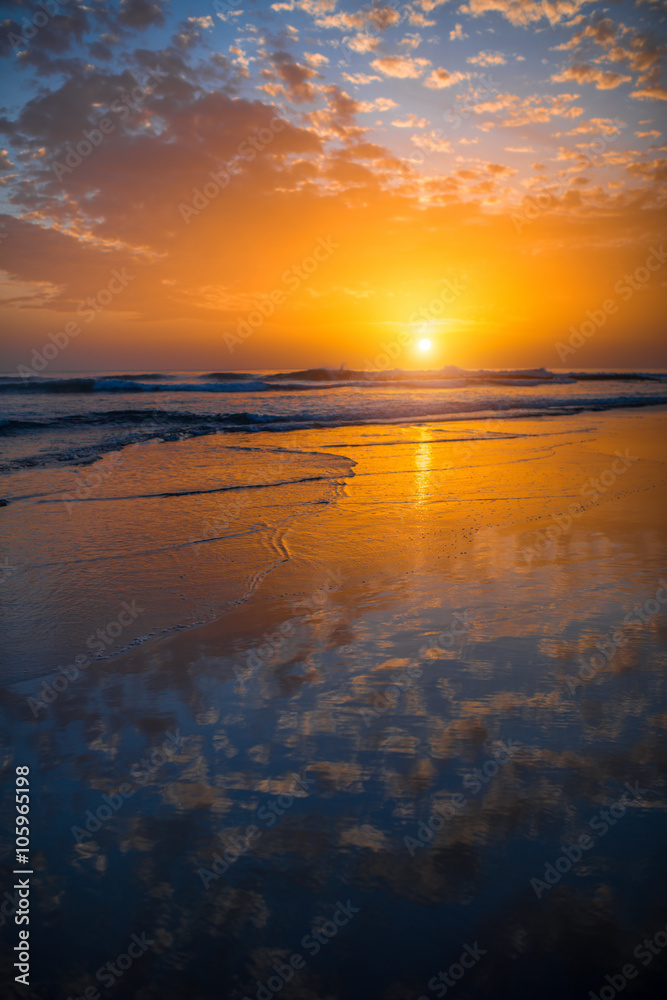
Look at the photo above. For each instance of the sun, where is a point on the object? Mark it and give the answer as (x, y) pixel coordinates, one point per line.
(424, 345)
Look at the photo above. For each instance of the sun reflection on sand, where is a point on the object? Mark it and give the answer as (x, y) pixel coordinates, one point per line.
(424, 486)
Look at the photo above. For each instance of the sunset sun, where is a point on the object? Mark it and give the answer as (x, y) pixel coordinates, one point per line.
(424, 345)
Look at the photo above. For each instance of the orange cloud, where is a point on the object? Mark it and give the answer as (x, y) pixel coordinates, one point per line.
(401, 67)
(583, 73)
(524, 111)
(487, 59)
(441, 78)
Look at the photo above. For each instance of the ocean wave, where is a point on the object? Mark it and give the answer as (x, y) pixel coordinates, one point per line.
(226, 377)
(311, 379)
(116, 383)
(117, 429)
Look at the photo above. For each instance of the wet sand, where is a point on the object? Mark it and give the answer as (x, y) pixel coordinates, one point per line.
(423, 678)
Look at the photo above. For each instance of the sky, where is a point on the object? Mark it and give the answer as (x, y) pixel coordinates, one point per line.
(243, 185)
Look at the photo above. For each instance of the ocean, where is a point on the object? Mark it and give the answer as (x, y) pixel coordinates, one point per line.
(75, 417)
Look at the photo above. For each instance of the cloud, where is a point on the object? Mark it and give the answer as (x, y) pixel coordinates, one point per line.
(457, 32)
(203, 22)
(379, 104)
(419, 20)
(141, 13)
(314, 7)
(639, 52)
(411, 121)
(500, 170)
(487, 59)
(528, 110)
(54, 39)
(441, 78)
(654, 170)
(429, 5)
(583, 73)
(296, 78)
(598, 126)
(655, 92)
(411, 41)
(115, 209)
(360, 79)
(433, 141)
(379, 17)
(402, 67)
(602, 32)
(189, 32)
(383, 17)
(343, 21)
(362, 43)
(315, 58)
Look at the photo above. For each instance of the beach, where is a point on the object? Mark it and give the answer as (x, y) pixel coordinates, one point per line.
(330, 738)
